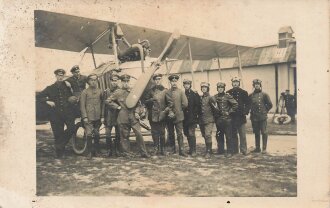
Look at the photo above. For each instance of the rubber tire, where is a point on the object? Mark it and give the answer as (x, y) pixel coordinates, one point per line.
(277, 117)
(76, 149)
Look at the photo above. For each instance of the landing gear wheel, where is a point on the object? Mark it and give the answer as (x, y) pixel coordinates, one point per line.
(79, 140)
(282, 119)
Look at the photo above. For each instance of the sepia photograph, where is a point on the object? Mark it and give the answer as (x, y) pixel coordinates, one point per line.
(186, 103)
(164, 113)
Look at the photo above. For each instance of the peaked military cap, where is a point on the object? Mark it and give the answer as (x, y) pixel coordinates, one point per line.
(74, 68)
(186, 81)
(205, 84)
(235, 79)
(256, 81)
(59, 72)
(125, 77)
(221, 84)
(157, 75)
(173, 76)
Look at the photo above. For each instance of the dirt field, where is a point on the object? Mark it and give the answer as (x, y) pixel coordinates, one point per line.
(272, 174)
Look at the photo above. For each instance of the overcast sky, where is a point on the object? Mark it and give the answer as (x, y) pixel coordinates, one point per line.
(246, 22)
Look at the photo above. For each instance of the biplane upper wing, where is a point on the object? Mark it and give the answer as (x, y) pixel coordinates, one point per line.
(72, 33)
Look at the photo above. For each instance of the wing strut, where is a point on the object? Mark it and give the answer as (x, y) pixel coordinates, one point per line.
(240, 70)
(220, 75)
(191, 64)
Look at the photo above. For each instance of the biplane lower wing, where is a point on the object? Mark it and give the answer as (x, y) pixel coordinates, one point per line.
(140, 85)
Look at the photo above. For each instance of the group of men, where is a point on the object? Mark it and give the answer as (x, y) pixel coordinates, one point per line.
(175, 110)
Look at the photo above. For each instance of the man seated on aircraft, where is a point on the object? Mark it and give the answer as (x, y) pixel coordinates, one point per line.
(91, 106)
(57, 97)
(128, 118)
(157, 111)
(110, 117)
(77, 82)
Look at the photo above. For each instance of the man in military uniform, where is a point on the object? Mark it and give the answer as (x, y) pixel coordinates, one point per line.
(110, 118)
(191, 116)
(176, 115)
(77, 81)
(239, 117)
(260, 105)
(128, 118)
(226, 105)
(78, 84)
(91, 106)
(157, 111)
(57, 97)
(206, 119)
(290, 105)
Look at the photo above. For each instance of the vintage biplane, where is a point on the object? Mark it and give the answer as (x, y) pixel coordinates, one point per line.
(127, 43)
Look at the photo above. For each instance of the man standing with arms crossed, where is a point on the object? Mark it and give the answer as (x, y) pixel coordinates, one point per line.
(239, 117)
(176, 114)
(191, 116)
(260, 105)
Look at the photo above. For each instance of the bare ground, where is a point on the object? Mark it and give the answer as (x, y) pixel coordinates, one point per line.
(272, 174)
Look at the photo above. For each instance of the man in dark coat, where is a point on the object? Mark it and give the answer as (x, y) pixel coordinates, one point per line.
(239, 117)
(57, 97)
(226, 105)
(128, 118)
(260, 105)
(157, 111)
(110, 118)
(176, 115)
(191, 116)
(290, 105)
(78, 83)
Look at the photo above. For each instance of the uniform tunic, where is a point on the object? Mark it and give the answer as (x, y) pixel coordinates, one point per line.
(242, 98)
(180, 102)
(260, 105)
(206, 119)
(156, 103)
(110, 113)
(91, 104)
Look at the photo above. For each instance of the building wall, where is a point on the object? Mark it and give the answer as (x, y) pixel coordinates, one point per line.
(266, 73)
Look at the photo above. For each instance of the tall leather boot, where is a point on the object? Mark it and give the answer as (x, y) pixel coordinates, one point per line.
(257, 142)
(89, 147)
(96, 145)
(220, 144)
(208, 150)
(264, 142)
(109, 146)
(181, 147)
(162, 145)
(193, 146)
